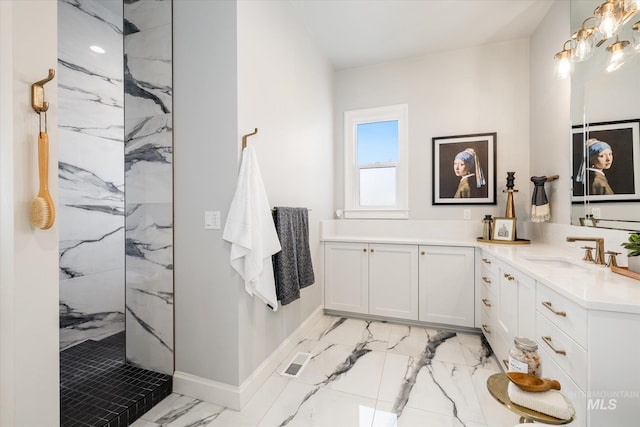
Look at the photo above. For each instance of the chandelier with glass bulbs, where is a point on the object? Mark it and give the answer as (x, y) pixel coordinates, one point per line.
(608, 18)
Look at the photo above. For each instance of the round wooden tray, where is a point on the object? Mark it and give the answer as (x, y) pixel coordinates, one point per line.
(505, 242)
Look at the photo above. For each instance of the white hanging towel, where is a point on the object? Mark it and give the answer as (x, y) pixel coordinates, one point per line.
(252, 233)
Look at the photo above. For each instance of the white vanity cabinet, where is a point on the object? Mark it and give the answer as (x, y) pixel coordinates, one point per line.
(346, 277)
(393, 281)
(401, 281)
(367, 278)
(507, 305)
(447, 285)
(561, 327)
(588, 336)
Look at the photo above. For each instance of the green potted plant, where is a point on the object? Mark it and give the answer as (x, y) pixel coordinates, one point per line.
(633, 246)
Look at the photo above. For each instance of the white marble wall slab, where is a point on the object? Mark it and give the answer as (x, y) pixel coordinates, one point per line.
(91, 169)
(149, 184)
(149, 289)
(149, 159)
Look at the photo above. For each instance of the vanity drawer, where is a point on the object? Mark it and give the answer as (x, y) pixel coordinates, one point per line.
(567, 353)
(565, 314)
(570, 390)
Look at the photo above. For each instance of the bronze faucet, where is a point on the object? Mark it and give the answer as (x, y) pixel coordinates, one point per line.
(599, 241)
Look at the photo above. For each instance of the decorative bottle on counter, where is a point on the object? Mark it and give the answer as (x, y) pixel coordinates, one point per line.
(487, 222)
(523, 357)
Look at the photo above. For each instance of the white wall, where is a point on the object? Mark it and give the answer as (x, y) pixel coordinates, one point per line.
(284, 90)
(475, 90)
(280, 84)
(550, 137)
(205, 170)
(29, 257)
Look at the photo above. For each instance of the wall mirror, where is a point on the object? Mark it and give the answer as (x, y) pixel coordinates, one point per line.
(604, 106)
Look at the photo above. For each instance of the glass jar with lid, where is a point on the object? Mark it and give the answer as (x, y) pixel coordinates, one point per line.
(523, 357)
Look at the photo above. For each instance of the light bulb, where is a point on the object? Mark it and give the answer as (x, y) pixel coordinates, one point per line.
(610, 14)
(582, 49)
(617, 53)
(563, 64)
(608, 26)
(563, 68)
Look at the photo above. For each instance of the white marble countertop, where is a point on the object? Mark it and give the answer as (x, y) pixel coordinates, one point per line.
(594, 287)
(399, 240)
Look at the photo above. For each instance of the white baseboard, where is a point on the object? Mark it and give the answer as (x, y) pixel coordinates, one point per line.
(236, 397)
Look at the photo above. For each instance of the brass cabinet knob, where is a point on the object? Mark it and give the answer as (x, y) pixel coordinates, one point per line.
(371, 250)
(422, 253)
(364, 250)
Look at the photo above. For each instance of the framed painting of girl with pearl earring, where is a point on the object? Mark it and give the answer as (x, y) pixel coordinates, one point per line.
(606, 161)
(464, 169)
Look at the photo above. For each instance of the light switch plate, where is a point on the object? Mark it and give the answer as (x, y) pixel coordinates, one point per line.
(212, 220)
(467, 214)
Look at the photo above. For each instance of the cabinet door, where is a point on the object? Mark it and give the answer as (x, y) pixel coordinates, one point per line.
(393, 281)
(508, 303)
(447, 285)
(346, 277)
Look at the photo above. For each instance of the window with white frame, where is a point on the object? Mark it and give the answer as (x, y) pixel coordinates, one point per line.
(376, 162)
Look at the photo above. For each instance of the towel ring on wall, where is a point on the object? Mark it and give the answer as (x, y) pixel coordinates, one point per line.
(244, 138)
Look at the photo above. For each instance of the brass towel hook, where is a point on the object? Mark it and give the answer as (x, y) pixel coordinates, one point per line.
(37, 93)
(244, 138)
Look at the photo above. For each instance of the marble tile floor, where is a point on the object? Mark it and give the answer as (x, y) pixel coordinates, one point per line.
(363, 374)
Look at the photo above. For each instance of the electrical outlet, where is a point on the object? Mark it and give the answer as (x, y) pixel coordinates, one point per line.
(467, 214)
(596, 213)
(212, 220)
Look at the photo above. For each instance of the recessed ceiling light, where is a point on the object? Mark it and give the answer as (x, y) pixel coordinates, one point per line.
(97, 49)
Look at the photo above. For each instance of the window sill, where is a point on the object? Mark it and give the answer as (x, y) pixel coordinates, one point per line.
(376, 214)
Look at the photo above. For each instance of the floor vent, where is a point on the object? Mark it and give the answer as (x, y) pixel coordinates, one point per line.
(297, 364)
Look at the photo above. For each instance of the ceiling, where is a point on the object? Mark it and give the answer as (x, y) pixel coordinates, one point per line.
(354, 33)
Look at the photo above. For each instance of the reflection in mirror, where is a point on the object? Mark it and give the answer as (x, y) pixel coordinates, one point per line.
(605, 115)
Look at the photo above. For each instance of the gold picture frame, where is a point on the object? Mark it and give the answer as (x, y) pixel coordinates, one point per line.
(504, 229)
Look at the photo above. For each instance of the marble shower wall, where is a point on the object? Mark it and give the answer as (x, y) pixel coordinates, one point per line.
(115, 205)
(149, 183)
(90, 169)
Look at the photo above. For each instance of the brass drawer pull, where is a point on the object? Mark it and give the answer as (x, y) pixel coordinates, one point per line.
(550, 307)
(486, 261)
(506, 363)
(486, 329)
(508, 276)
(485, 279)
(486, 302)
(548, 341)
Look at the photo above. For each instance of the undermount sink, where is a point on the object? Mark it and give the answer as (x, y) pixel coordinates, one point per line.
(561, 263)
